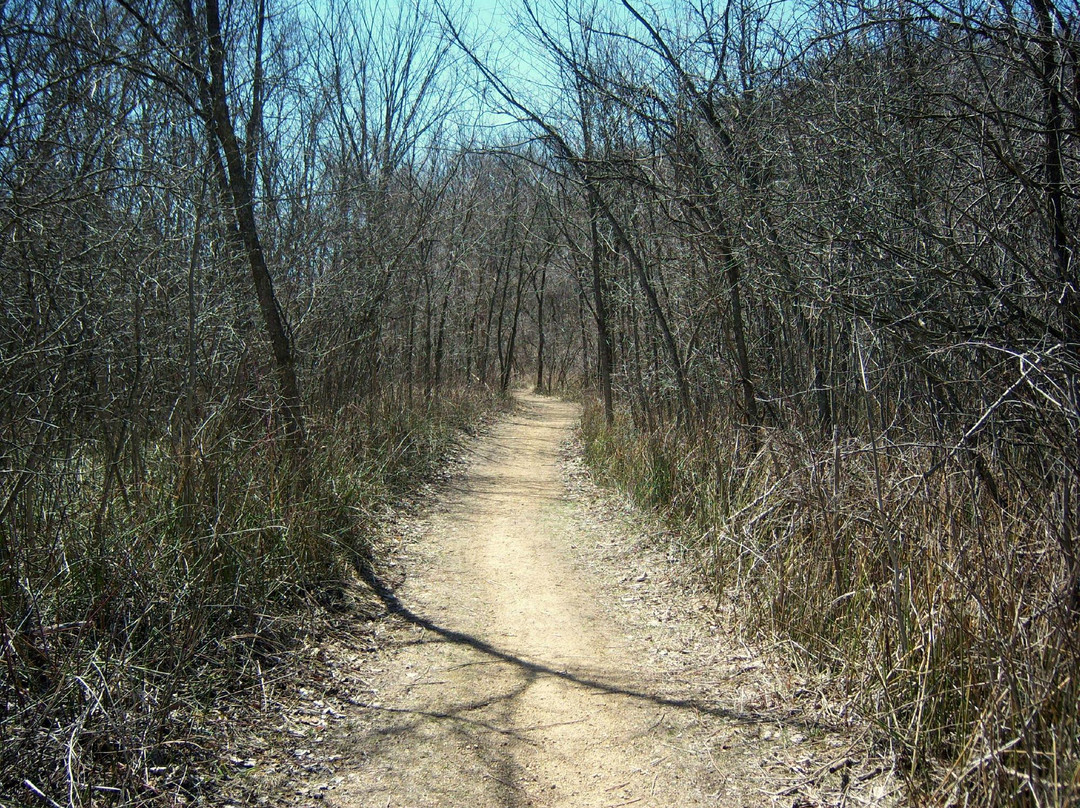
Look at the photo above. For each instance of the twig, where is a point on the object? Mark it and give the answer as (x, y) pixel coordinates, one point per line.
(535, 727)
(502, 782)
(262, 684)
(38, 792)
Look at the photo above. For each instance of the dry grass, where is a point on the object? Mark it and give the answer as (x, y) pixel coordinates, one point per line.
(937, 601)
(127, 611)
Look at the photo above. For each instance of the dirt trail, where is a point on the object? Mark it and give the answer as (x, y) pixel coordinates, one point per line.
(517, 698)
(535, 666)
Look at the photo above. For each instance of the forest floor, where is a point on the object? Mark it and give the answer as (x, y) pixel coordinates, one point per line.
(548, 648)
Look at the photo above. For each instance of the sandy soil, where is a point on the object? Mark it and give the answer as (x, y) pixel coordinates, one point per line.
(541, 657)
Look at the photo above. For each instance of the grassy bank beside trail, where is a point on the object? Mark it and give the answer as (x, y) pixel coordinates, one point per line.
(143, 590)
(925, 583)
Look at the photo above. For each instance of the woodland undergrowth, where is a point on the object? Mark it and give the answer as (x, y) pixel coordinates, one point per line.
(136, 606)
(935, 599)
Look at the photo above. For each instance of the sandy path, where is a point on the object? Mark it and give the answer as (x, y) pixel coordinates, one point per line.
(516, 685)
(523, 674)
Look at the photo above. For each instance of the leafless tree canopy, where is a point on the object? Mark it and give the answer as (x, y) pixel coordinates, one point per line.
(816, 263)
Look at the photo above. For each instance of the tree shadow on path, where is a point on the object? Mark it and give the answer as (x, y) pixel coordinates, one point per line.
(395, 607)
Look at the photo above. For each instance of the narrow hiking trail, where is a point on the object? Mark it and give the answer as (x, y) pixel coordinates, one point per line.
(540, 659)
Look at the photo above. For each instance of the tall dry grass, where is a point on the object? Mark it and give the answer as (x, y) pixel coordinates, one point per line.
(934, 595)
(128, 610)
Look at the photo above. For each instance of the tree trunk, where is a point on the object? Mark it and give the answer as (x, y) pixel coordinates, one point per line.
(1054, 173)
(439, 340)
(508, 366)
(603, 340)
(242, 196)
(742, 356)
(540, 331)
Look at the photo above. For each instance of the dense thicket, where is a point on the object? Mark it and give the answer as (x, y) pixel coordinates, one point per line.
(837, 259)
(817, 262)
(252, 284)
